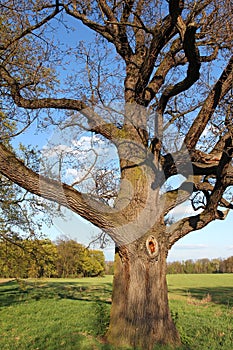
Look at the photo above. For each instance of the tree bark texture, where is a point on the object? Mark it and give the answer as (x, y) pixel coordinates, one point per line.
(140, 315)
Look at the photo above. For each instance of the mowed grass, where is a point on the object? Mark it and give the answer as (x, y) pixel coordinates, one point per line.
(202, 307)
(73, 314)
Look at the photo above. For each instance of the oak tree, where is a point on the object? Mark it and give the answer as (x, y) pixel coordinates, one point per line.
(155, 82)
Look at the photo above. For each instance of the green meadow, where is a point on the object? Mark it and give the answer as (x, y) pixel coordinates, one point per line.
(73, 314)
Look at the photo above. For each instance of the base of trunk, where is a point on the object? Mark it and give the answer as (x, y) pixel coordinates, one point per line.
(140, 315)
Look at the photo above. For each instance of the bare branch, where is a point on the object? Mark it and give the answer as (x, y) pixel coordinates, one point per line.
(173, 198)
(30, 29)
(61, 103)
(161, 35)
(91, 24)
(112, 32)
(95, 121)
(193, 223)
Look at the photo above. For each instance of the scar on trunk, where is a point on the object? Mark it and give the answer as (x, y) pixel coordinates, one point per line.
(152, 246)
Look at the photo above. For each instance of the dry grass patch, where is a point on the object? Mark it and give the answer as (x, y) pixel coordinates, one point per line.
(205, 300)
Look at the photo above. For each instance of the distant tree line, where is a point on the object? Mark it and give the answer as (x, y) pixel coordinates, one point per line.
(24, 258)
(201, 266)
(190, 266)
(66, 258)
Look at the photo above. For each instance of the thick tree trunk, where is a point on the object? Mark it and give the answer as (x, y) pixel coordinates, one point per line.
(140, 315)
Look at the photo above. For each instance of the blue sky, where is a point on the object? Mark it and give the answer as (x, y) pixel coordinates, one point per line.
(213, 241)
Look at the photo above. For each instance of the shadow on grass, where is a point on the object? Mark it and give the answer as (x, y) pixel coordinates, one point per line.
(19, 292)
(218, 295)
(13, 292)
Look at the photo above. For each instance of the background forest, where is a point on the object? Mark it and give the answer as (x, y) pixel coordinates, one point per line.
(66, 258)
(43, 258)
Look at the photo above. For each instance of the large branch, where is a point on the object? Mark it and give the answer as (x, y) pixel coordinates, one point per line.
(170, 60)
(96, 123)
(229, 176)
(139, 31)
(223, 85)
(171, 199)
(157, 81)
(202, 163)
(186, 225)
(60, 103)
(111, 220)
(118, 28)
(222, 172)
(93, 211)
(112, 31)
(170, 26)
(206, 187)
(193, 223)
(192, 54)
(161, 35)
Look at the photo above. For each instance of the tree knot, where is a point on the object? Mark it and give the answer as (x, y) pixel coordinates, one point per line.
(152, 246)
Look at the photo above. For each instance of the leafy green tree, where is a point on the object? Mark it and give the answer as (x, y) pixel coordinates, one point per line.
(70, 254)
(201, 266)
(169, 66)
(93, 263)
(43, 258)
(23, 258)
(98, 255)
(12, 259)
(74, 260)
(226, 265)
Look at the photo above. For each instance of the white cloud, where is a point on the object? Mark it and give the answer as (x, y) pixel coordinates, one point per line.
(183, 210)
(87, 143)
(72, 172)
(75, 147)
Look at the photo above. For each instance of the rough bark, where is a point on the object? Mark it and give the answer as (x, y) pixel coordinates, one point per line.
(140, 315)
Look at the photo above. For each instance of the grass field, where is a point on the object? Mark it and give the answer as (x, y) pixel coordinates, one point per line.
(73, 314)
